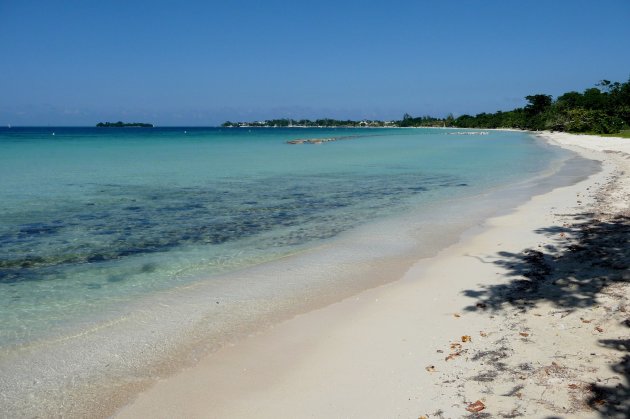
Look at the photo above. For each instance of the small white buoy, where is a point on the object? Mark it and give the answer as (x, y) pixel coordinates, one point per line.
(53, 133)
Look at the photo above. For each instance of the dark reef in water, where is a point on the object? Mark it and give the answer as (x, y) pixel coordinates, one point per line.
(126, 220)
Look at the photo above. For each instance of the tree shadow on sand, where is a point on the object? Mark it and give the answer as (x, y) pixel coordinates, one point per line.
(614, 401)
(586, 259)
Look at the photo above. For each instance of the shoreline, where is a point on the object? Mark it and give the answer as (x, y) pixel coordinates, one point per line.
(158, 337)
(377, 354)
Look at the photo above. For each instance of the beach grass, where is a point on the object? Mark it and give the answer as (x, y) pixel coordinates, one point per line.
(623, 134)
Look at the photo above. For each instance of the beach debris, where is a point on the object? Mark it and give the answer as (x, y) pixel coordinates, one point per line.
(584, 320)
(475, 407)
(466, 338)
(481, 305)
(456, 346)
(599, 329)
(430, 368)
(483, 334)
(453, 356)
(524, 334)
(457, 315)
(554, 368)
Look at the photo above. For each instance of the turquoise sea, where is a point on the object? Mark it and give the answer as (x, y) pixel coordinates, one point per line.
(119, 246)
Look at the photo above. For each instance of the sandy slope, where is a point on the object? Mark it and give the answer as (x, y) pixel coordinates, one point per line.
(529, 316)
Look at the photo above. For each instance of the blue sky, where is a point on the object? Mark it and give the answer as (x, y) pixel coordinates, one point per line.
(204, 62)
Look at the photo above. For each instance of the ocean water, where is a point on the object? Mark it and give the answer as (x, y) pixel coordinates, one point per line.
(97, 225)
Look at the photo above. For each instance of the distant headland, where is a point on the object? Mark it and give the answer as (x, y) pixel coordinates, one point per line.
(600, 110)
(319, 123)
(121, 124)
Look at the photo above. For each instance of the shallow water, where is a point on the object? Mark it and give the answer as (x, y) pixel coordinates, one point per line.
(90, 216)
(139, 227)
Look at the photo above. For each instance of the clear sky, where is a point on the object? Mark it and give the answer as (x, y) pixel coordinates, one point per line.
(204, 62)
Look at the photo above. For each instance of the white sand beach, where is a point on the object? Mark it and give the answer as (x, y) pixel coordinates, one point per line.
(527, 315)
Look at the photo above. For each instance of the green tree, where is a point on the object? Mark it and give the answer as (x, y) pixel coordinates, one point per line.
(537, 104)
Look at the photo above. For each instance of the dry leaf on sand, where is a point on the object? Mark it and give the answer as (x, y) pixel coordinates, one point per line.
(475, 407)
(452, 356)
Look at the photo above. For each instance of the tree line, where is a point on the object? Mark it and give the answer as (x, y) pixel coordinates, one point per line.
(322, 122)
(121, 124)
(604, 109)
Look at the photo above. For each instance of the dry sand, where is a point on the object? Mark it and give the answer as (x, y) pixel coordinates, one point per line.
(527, 316)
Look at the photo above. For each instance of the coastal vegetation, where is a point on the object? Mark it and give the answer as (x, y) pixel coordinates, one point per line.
(623, 134)
(121, 124)
(604, 109)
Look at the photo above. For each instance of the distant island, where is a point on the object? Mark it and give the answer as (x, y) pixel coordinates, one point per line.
(121, 124)
(603, 110)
